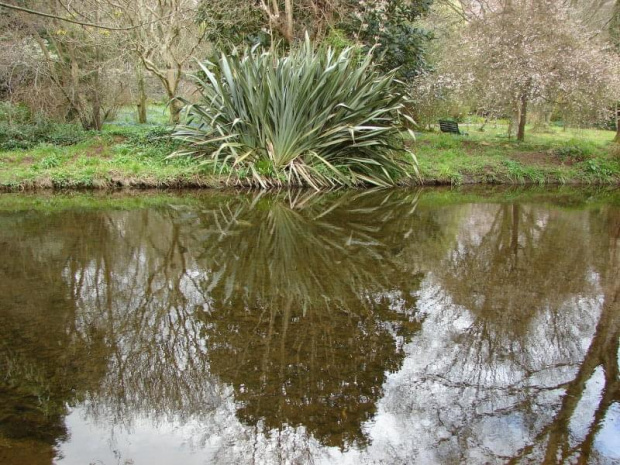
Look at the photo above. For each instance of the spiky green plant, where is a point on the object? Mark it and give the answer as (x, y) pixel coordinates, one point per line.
(313, 118)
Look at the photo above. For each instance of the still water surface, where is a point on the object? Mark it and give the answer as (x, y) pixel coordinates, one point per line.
(360, 327)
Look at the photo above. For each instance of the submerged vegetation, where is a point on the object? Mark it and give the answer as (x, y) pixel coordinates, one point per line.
(316, 118)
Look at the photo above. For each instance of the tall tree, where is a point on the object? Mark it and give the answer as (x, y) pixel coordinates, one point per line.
(525, 53)
(388, 26)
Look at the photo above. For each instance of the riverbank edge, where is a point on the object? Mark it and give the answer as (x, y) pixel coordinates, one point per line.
(223, 182)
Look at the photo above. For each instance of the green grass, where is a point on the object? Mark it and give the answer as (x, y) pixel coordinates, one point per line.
(127, 154)
(156, 114)
(573, 156)
(119, 156)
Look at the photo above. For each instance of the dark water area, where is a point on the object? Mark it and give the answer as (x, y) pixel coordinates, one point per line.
(430, 327)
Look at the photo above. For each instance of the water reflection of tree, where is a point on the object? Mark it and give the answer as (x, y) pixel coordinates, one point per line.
(316, 287)
(43, 367)
(138, 287)
(523, 285)
(301, 303)
(513, 262)
(554, 443)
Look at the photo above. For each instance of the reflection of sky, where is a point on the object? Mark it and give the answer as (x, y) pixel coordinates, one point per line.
(146, 443)
(218, 438)
(440, 407)
(608, 439)
(584, 413)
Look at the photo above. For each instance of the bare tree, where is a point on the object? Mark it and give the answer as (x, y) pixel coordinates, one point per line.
(164, 36)
(84, 43)
(72, 67)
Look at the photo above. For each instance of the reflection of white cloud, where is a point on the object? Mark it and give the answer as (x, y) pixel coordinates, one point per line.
(454, 406)
(148, 443)
(218, 438)
(584, 413)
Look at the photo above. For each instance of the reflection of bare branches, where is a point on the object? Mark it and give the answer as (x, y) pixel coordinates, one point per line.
(504, 273)
(299, 305)
(295, 272)
(522, 285)
(602, 353)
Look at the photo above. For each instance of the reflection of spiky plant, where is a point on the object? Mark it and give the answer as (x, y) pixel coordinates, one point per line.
(308, 298)
(309, 248)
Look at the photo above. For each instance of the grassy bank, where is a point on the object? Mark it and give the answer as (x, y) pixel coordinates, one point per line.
(126, 155)
(120, 156)
(556, 156)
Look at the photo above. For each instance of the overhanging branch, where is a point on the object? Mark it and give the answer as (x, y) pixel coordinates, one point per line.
(68, 20)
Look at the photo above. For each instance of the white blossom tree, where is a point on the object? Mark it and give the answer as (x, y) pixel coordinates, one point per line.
(516, 55)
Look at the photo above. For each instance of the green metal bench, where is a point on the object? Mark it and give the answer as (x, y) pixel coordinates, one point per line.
(451, 127)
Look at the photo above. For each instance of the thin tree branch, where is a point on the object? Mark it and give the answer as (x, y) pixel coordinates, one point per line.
(68, 20)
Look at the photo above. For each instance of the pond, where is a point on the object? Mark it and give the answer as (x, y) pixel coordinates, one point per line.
(394, 326)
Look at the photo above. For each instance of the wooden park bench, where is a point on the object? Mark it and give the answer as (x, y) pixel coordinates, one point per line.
(450, 126)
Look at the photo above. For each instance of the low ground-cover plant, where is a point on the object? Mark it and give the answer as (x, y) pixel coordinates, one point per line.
(316, 118)
(27, 136)
(575, 150)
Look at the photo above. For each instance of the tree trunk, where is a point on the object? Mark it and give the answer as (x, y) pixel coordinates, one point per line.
(522, 118)
(514, 243)
(288, 9)
(542, 119)
(617, 138)
(175, 111)
(141, 95)
(172, 84)
(511, 123)
(97, 120)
